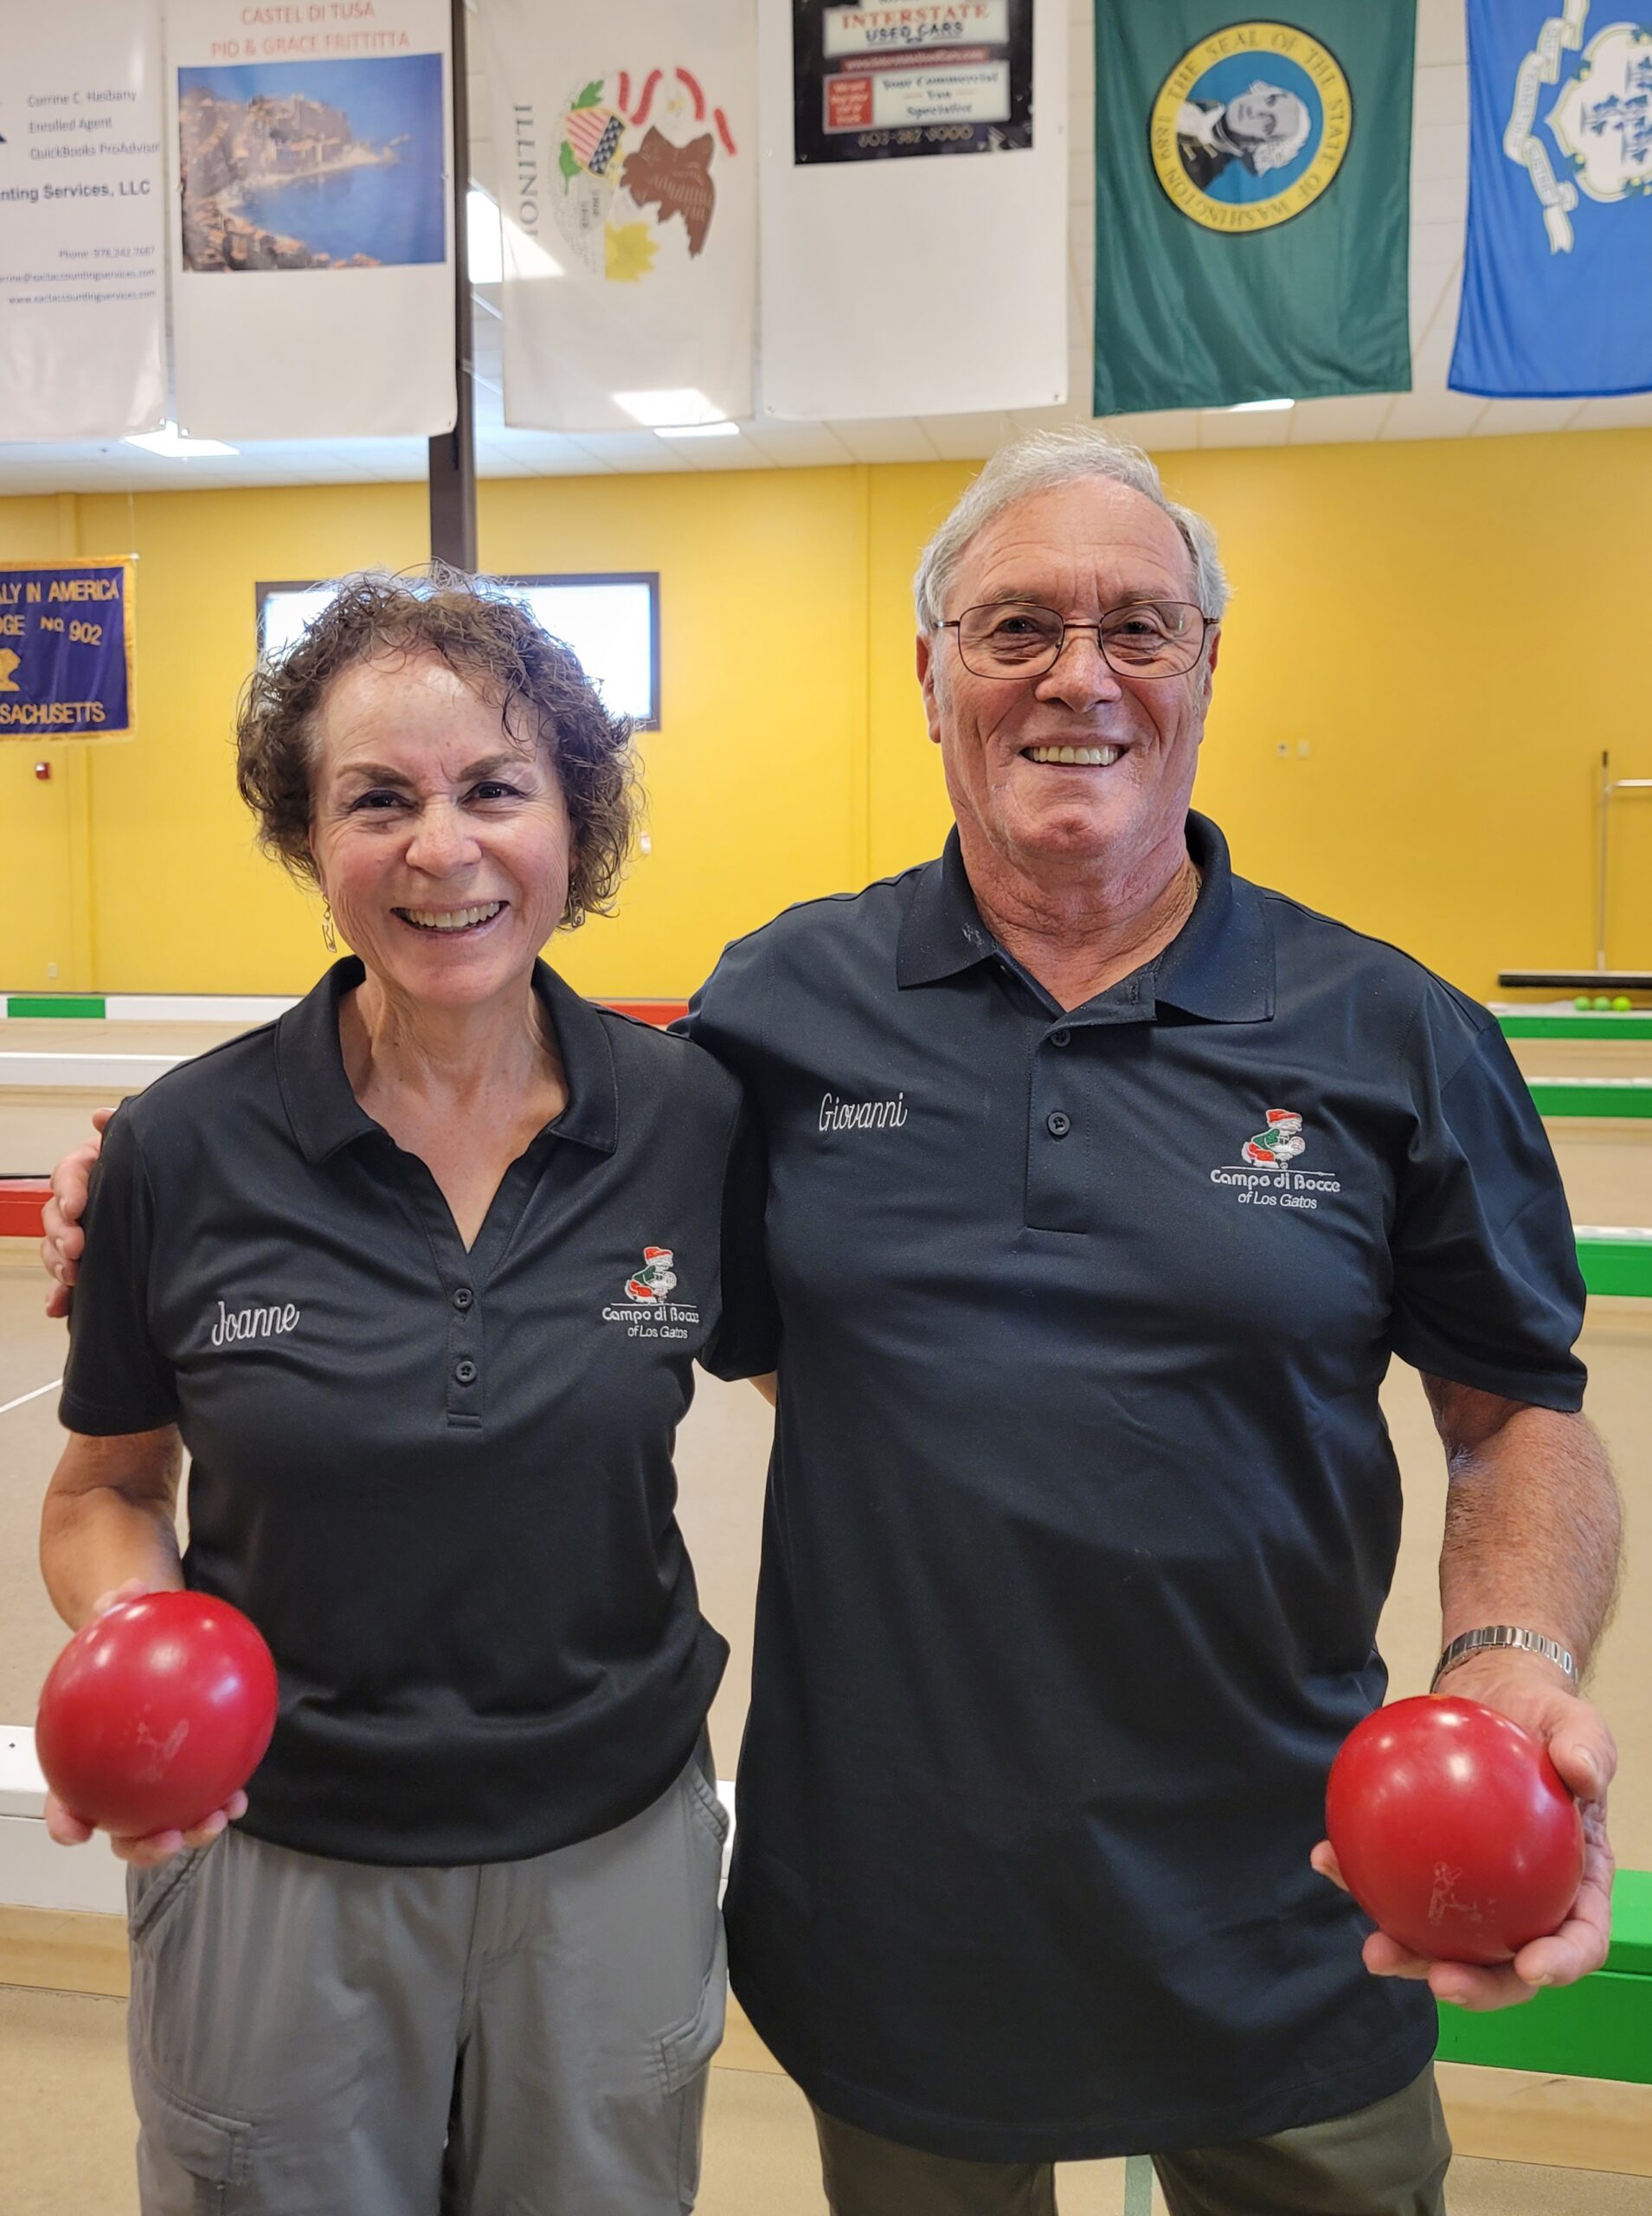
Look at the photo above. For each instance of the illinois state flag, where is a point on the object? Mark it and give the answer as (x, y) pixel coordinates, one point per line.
(1252, 202)
(1556, 286)
(624, 136)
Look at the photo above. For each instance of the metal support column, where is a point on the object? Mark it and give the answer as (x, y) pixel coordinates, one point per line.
(453, 455)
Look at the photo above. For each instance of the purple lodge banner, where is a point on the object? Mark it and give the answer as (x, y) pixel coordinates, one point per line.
(66, 636)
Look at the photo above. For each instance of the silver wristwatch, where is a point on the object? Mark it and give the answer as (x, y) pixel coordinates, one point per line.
(1474, 1642)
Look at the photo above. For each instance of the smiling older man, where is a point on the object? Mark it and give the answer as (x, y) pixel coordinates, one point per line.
(1105, 1186)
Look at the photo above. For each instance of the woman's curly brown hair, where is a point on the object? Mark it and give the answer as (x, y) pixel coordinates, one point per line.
(494, 645)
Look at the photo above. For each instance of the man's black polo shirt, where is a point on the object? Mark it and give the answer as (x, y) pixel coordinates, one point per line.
(438, 1481)
(1083, 1510)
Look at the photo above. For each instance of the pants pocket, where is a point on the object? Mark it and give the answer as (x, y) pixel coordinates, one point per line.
(189, 2161)
(153, 1894)
(685, 2055)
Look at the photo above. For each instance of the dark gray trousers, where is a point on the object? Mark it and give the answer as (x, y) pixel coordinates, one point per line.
(1387, 2160)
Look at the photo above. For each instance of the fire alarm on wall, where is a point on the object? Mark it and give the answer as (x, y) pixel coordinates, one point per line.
(44, 771)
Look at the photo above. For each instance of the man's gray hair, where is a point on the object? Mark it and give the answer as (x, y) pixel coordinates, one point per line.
(1037, 463)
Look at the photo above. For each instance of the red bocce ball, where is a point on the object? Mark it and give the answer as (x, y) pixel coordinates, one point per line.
(154, 1713)
(1453, 1830)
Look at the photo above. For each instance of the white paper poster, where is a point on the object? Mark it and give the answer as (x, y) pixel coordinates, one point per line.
(894, 286)
(82, 222)
(311, 151)
(625, 144)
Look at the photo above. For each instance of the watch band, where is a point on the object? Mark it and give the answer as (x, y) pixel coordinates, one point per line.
(1491, 1635)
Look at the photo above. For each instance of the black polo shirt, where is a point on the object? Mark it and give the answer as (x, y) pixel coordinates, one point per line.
(438, 1481)
(1083, 1510)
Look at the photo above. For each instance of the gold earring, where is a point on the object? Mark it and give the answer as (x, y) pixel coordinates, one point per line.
(329, 938)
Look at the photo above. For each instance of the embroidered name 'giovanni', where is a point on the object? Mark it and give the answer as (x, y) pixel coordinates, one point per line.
(235, 1323)
(861, 1115)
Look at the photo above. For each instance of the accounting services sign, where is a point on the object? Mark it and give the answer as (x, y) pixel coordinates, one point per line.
(66, 650)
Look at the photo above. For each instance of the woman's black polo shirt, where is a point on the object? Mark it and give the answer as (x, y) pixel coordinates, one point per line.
(1083, 1512)
(439, 1481)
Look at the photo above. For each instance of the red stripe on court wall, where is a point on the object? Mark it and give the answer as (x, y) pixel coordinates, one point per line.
(21, 1199)
(659, 1012)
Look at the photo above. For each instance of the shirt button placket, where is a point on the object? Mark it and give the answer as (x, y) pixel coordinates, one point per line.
(1055, 1171)
(463, 1370)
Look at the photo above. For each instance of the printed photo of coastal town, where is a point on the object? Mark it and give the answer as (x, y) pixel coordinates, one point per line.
(313, 165)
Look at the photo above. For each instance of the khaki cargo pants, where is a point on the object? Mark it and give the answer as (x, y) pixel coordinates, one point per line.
(315, 2038)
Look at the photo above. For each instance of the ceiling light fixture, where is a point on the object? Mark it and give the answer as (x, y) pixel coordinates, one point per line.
(483, 247)
(1258, 407)
(177, 446)
(671, 407)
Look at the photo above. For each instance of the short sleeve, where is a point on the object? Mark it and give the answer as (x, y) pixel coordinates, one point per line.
(746, 1340)
(117, 1380)
(1487, 1290)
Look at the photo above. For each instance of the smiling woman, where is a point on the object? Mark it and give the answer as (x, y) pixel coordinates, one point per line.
(530, 688)
(366, 1264)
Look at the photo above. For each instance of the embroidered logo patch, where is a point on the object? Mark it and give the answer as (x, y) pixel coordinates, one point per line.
(655, 1278)
(650, 1312)
(1281, 1140)
(1264, 1175)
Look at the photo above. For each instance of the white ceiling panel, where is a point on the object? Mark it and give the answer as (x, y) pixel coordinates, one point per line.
(960, 438)
(798, 445)
(1432, 416)
(1158, 433)
(1439, 204)
(1625, 412)
(1338, 422)
(1261, 426)
(1442, 32)
(1506, 418)
(1441, 96)
(872, 440)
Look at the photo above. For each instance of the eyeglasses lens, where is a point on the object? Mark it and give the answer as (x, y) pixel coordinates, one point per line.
(1144, 639)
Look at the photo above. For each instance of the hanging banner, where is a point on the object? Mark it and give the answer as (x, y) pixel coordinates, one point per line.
(628, 194)
(311, 145)
(895, 286)
(875, 83)
(1252, 203)
(82, 222)
(66, 650)
(1557, 285)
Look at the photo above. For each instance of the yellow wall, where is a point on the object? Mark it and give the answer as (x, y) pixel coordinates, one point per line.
(1452, 630)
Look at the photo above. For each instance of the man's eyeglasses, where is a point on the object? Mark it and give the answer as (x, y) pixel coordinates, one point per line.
(1144, 638)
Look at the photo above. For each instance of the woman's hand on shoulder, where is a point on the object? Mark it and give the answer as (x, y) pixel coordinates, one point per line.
(65, 1241)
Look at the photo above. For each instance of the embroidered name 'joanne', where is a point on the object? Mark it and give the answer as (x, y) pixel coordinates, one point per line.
(252, 1324)
(860, 1115)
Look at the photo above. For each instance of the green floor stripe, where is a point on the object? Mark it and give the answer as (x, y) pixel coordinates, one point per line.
(32, 1004)
(1638, 1024)
(1593, 1095)
(1138, 2186)
(1617, 1262)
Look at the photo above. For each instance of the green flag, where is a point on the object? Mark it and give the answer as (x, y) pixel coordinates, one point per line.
(1252, 202)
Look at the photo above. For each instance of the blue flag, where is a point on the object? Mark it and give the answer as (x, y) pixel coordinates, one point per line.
(1557, 287)
(66, 649)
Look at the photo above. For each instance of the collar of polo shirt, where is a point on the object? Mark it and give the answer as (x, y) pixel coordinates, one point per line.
(326, 1114)
(1219, 965)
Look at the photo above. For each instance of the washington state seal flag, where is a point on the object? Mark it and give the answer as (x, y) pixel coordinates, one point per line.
(1252, 202)
(1557, 285)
